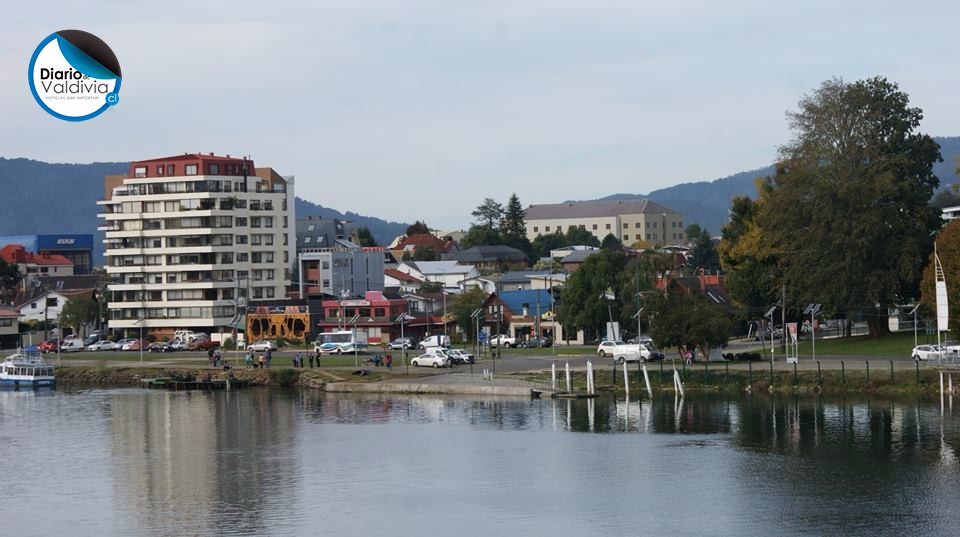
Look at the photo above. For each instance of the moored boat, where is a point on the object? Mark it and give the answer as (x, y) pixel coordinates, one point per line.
(26, 368)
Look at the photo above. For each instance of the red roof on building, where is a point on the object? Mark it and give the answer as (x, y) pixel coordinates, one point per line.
(4, 312)
(422, 240)
(18, 255)
(400, 276)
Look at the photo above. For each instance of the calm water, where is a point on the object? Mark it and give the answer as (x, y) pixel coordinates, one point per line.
(261, 462)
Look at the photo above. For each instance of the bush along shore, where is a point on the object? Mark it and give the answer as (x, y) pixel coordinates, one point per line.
(133, 376)
(876, 381)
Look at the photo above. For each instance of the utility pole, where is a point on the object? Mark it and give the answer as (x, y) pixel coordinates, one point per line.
(783, 320)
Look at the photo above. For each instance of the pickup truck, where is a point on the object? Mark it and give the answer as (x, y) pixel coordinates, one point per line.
(503, 339)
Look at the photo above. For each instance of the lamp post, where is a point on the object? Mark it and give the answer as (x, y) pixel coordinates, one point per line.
(402, 319)
(140, 324)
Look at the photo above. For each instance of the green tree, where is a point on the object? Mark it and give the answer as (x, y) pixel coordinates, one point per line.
(79, 312)
(464, 304)
(704, 254)
(583, 306)
(9, 280)
(752, 269)
(579, 236)
(679, 319)
(488, 214)
(513, 229)
(543, 244)
(948, 249)
(479, 235)
(418, 228)
(849, 205)
(365, 238)
(611, 242)
(426, 253)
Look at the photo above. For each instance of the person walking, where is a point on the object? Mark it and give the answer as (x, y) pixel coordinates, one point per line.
(269, 357)
(388, 360)
(311, 360)
(262, 361)
(248, 360)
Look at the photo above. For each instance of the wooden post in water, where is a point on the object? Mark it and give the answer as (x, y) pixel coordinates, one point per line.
(677, 382)
(553, 376)
(568, 377)
(626, 379)
(646, 379)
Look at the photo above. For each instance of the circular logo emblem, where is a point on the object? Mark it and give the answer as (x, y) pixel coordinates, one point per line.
(74, 75)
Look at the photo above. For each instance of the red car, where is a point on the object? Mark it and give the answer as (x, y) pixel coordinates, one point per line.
(202, 345)
(51, 345)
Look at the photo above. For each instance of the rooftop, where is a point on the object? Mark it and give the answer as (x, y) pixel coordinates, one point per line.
(593, 209)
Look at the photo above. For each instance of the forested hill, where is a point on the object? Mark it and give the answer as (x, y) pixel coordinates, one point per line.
(45, 198)
(706, 202)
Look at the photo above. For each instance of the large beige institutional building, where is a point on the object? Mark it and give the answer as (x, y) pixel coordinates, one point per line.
(628, 220)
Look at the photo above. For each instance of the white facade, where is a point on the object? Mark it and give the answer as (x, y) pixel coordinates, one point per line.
(182, 250)
(43, 307)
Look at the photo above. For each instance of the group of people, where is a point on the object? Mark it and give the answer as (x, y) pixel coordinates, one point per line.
(261, 362)
(378, 360)
(214, 356)
(298, 360)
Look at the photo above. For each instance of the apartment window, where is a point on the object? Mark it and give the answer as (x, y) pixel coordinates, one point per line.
(626, 237)
(270, 291)
(648, 236)
(638, 236)
(52, 302)
(325, 265)
(654, 225)
(190, 169)
(680, 225)
(240, 239)
(311, 227)
(594, 226)
(626, 225)
(258, 292)
(140, 171)
(284, 221)
(240, 221)
(170, 169)
(637, 225)
(547, 228)
(160, 170)
(306, 240)
(536, 229)
(214, 169)
(608, 226)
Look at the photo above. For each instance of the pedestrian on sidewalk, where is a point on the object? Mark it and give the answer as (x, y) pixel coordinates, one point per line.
(388, 360)
(311, 360)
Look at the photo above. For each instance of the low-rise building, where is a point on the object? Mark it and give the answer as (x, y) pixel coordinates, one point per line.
(32, 265)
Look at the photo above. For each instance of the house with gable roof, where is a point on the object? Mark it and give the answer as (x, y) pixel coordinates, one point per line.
(525, 314)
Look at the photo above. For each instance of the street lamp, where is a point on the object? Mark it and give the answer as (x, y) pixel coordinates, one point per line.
(402, 319)
(812, 309)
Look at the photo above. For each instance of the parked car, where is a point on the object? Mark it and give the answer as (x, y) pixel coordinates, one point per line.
(262, 346)
(434, 357)
(926, 352)
(503, 339)
(125, 341)
(103, 345)
(92, 338)
(644, 353)
(132, 345)
(49, 345)
(160, 346)
(202, 344)
(177, 345)
(460, 356)
(536, 342)
(72, 345)
(435, 341)
(612, 347)
(401, 343)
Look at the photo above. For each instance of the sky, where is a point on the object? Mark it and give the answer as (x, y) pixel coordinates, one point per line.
(420, 110)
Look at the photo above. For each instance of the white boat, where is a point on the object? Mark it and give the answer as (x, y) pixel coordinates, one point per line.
(27, 369)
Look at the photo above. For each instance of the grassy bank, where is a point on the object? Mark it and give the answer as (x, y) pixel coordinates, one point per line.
(830, 382)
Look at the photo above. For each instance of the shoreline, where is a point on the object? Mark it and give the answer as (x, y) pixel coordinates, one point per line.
(924, 382)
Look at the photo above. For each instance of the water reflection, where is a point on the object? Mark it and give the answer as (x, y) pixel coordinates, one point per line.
(258, 462)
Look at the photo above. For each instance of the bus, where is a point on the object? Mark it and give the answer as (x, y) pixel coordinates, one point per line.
(345, 341)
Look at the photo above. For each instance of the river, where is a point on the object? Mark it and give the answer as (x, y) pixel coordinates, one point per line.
(301, 462)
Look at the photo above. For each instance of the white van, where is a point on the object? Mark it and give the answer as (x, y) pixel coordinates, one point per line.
(72, 345)
(435, 341)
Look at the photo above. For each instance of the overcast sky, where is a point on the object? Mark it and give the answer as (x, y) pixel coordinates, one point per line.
(411, 110)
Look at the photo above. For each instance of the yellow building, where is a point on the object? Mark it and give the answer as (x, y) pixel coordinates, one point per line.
(628, 220)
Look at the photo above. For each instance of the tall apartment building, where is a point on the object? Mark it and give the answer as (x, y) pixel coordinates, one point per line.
(191, 237)
(628, 220)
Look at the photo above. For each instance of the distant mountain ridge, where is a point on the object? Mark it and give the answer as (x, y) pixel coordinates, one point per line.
(706, 202)
(61, 198)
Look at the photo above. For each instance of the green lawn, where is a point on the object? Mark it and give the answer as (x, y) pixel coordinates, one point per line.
(894, 345)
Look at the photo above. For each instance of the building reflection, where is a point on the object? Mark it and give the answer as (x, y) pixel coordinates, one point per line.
(208, 461)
